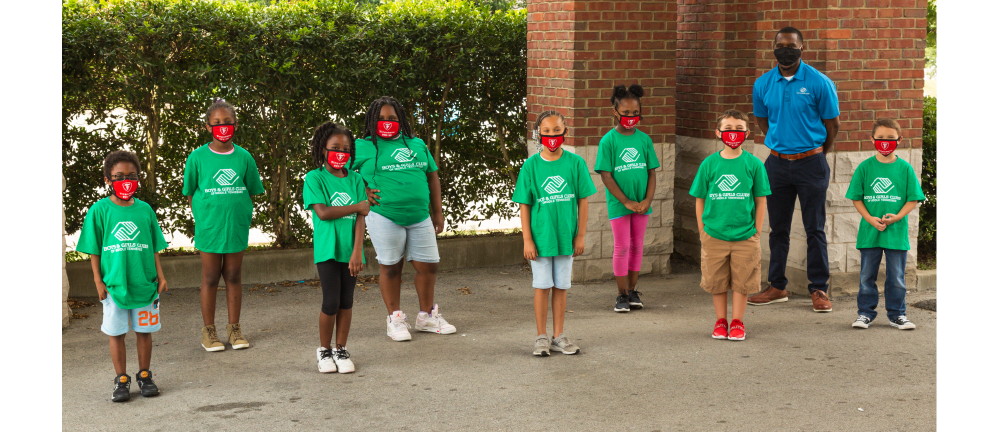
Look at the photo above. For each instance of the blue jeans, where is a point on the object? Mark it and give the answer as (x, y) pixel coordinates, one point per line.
(895, 284)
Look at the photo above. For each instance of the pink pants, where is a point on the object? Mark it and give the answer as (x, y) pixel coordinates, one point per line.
(629, 232)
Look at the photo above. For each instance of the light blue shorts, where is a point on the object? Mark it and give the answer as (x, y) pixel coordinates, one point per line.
(144, 320)
(391, 241)
(548, 272)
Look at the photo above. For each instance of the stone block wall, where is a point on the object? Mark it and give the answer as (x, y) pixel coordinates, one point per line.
(577, 52)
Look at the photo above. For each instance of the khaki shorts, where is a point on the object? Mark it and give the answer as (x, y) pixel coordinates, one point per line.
(729, 265)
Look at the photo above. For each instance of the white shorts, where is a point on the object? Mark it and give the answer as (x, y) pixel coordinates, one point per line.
(144, 320)
(548, 272)
(418, 242)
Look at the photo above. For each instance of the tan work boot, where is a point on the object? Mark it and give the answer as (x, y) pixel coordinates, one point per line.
(236, 338)
(821, 303)
(210, 340)
(768, 296)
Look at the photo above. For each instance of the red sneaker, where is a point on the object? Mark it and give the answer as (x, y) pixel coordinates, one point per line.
(721, 329)
(736, 331)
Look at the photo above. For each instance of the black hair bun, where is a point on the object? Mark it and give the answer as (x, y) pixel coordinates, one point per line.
(636, 90)
(618, 93)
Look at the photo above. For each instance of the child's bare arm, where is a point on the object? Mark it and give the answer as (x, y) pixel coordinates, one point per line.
(616, 191)
(359, 247)
(650, 190)
(95, 264)
(326, 212)
(581, 226)
(875, 222)
(530, 252)
(760, 207)
(699, 209)
(161, 280)
(890, 218)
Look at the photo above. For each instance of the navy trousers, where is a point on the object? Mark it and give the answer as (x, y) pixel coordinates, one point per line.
(807, 179)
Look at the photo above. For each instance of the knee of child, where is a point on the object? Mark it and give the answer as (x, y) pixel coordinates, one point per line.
(232, 276)
(330, 307)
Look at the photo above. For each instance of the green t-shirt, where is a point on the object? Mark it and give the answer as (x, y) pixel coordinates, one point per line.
(222, 208)
(333, 239)
(884, 188)
(552, 189)
(125, 238)
(400, 174)
(729, 187)
(628, 158)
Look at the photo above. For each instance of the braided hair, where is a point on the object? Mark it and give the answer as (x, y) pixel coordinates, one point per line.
(219, 104)
(322, 134)
(620, 93)
(371, 123)
(544, 114)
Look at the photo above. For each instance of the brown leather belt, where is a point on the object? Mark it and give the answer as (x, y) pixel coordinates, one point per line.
(797, 156)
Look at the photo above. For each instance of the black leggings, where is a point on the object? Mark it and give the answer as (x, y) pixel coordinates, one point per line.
(338, 286)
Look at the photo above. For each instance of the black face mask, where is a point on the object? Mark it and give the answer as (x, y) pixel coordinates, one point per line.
(787, 56)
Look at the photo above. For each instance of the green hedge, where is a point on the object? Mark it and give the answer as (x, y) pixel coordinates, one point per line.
(142, 73)
(927, 237)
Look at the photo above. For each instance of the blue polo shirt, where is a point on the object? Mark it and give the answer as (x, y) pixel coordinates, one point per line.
(795, 109)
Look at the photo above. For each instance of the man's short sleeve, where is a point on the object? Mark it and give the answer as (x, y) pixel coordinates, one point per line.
(828, 104)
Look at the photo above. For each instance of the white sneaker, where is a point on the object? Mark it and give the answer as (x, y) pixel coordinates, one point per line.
(324, 360)
(396, 327)
(343, 360)
(434, 322)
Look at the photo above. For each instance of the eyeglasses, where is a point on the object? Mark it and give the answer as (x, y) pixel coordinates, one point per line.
(125, 177)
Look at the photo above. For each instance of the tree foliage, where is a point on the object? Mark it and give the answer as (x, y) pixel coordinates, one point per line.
(927, 237)
(139, 74)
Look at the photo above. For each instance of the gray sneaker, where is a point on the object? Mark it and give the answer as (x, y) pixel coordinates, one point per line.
(542, 346)
(564, 345)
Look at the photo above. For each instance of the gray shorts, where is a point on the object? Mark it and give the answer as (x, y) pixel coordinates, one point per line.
(548, 272)
(418, 241)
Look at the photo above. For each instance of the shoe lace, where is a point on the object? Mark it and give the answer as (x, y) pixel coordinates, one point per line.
(398, 325)
(637, 293)
(542, 340)
(325, 354)
(622, 298)
(901, 319)
(342, 354)
(212, 335)
(236, 333)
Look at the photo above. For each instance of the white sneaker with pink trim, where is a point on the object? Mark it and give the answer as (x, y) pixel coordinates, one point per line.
(433, 322)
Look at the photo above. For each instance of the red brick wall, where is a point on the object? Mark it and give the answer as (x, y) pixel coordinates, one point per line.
(579, 50)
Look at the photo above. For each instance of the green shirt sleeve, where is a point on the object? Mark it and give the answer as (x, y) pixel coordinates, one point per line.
(91, 233)
(761, 185)
(522, 190)
(699, 187)
(584, 184)
(913, 190)
(252, 176)
(652, 159)
(312, 191)
(431, 165)
(856, 190)
(190, 176)
(159, 242)
(604, 161)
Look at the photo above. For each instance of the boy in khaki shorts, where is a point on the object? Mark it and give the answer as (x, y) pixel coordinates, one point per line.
(729, 191)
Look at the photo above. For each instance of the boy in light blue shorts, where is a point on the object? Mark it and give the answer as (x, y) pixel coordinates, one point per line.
(552, 189)
(122, 237)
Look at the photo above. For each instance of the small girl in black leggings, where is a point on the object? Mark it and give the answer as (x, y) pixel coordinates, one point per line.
(336, 196)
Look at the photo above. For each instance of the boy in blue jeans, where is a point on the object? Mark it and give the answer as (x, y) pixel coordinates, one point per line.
(884, 189)
(122, 237)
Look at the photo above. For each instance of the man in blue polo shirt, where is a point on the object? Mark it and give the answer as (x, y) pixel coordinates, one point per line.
(797, 109)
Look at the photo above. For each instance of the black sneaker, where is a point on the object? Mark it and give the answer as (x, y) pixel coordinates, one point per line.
(633, 299)
(621, 304)
(145, 380)
(862, 322)
(902, 323)
(122, 384)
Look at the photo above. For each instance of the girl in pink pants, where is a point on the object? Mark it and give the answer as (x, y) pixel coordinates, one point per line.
(627, 163)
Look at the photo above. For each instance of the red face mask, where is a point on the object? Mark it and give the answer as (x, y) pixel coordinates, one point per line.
(124, 189)
(886, 147)
(628, 122)
(733, 138)
(552, 142)
(223, 132)
(337, 159)
(387, 129)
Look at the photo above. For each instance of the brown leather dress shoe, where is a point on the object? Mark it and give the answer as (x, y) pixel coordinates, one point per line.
(821, 303)
(768, 296)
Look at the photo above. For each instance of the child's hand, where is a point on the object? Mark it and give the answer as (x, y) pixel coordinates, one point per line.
(644, 206)
(102, 290)
(530, 252)
(889, 219)
(363, 208)
(372, 197)
(633, 206)
(355, 264)
(578, 246)
(162, 285)
(438, 220)
(877, 223)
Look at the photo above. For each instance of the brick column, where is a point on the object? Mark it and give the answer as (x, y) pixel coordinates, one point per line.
(873, 51)
(577, 52)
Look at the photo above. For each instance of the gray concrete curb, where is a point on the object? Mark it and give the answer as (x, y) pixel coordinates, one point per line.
(297, 264)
